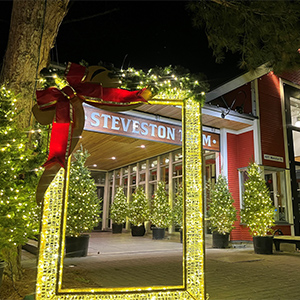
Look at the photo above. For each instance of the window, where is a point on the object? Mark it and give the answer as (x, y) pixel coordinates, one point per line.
(295, 111)
(99, 177)
(296, 139)
(243, 176)
(275, 181)
(164, 167)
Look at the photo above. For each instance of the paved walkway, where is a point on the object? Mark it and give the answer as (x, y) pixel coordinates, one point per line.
(231, 274)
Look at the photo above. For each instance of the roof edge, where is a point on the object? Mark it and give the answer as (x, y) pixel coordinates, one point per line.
(237, 82)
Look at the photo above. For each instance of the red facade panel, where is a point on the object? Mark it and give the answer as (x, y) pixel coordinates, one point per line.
(271, 126)
(238, 99)
(240, 151)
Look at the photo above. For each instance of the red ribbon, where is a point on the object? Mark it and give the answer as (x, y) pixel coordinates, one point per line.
(92, 93)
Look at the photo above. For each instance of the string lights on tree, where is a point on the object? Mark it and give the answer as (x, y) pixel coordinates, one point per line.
(258, 210)
(138, 208)
(119, 208)
(178, 207)
(161, 213)
(21, 151)
(222, 213)
(83, 211)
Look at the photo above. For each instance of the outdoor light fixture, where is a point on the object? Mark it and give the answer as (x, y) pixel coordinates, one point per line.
(113, 158)
(143, 146)
(94, 165)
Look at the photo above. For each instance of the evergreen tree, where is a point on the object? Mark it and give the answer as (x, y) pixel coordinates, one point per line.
(260, 31)
(161, 213)
(119, 208)
(178, 207)
(138, 208)
(221, 210)
(258, 210)
(83, 212)
(19, 170)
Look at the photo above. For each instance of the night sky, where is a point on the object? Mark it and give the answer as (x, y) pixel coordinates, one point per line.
(139, 34)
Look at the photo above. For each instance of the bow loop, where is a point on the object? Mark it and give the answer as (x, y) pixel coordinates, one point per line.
(90, 92)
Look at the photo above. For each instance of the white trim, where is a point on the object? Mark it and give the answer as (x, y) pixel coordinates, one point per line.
(257, 143)
(284, 125)
(256, 131)
(223, 152)
(240, 170)
(288, 186)
(284, 81)
(237, 132)
(232, 116)
(237, 82)
(218, 162)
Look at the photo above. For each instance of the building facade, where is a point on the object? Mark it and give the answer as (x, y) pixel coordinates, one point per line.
(253, 118)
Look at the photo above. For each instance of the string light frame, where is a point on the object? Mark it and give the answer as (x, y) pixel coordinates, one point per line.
(51, 252)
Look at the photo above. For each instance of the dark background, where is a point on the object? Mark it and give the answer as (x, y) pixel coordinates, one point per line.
(139, 34)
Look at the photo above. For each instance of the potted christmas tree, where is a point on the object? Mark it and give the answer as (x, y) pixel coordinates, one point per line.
(118, 211)
(138, 212)
(222, 213)
(178, 210)
(161, 213)
(83, 210)
(258, 210)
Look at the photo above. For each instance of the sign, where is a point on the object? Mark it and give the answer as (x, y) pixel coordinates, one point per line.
(103, 121)
(273, 158)
(211, 141)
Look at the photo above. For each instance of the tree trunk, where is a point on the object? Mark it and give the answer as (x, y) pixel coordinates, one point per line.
(33, 29)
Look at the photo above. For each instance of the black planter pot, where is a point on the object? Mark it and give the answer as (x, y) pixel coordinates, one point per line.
(138, 230)
(158, 233)
(220, 240)
(117, 228)
(263, 244)
(77, 246)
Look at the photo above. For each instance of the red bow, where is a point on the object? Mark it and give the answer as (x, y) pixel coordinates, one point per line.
(92, 93)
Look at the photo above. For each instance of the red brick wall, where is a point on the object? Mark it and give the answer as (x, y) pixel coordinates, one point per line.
(240, 151)
(270, 116)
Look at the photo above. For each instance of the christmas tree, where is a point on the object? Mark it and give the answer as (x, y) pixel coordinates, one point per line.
(83, 212)
(221, 210)
(258, 210)
(20, 157)
(178, 207)
(161, 213)
(138, 208)
(119, 208)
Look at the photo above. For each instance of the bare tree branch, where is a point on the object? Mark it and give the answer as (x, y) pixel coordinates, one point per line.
(91, 17)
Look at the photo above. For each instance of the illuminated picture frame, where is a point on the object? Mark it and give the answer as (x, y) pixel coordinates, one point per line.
(51, 250)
